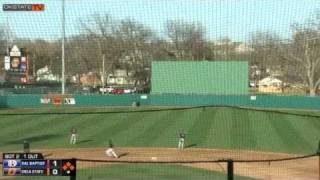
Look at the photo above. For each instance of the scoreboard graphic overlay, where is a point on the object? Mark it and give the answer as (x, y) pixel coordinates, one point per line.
(33, 164)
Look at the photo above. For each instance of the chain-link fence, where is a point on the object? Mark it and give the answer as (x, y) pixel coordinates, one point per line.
(184, 53)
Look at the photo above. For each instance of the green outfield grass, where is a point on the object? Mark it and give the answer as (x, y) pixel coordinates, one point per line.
(228, 128)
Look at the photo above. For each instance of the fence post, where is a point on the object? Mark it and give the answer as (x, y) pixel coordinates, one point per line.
(230, 169)
(74, 175)
(318, 152)
(73, 178)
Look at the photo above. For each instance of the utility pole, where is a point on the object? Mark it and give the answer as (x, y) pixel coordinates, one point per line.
(318, 152)
(33, 65)
(62, 50)
(7, 36)
(103, 73)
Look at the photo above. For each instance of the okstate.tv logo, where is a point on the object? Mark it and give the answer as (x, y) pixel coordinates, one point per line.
(23, 7)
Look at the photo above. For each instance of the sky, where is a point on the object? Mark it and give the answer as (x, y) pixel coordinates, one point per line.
(236, 19)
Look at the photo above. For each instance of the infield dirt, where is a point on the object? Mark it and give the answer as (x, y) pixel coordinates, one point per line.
(305, 169)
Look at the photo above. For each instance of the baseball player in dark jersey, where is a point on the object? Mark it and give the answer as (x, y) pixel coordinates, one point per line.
(110, 151)
(73, 137)
(318, 151)
(26, 146)
(182, 137)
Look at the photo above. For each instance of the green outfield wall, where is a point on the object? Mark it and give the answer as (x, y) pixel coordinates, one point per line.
(200, 77)
(263, 101)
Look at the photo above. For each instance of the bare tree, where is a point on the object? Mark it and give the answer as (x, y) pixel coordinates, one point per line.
(3, 45)
(126, 44)
(304, 52)
(42, 53)
(2, 40)
(99, 37)
(187, 39)
(265, 55)
(135, 44)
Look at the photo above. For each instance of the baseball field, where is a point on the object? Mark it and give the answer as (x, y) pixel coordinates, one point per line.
(151, 134)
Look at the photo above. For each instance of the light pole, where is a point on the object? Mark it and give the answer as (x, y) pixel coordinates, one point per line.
(62, 50)
(7, 36)
(103, 73)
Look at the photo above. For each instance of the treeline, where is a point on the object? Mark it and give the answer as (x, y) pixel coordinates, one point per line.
(130, 45)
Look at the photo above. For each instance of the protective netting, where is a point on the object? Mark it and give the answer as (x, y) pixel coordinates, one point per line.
(263, 144)
(160, 168)
(113, 43)
(223, 62)
(299, 168)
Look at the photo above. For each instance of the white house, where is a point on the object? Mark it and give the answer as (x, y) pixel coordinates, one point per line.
(270, 81)
(270, 85)
(120, 77)
(243, 48)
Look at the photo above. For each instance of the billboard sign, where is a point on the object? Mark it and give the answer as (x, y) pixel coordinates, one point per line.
(15, 51)
(58, 100)
(7, 63)
(16, 61)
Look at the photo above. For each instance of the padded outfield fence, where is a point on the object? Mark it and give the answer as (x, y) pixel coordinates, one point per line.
(259, 101)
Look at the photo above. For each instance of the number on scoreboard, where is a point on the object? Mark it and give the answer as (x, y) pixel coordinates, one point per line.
(55, 166)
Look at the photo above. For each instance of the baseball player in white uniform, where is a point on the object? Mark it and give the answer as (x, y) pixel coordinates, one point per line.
(110, 151)
(181, 140)
(73, 138)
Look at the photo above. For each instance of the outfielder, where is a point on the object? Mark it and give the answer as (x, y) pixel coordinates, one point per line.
(73, 138)
(181, 140)
(26, 146)
(110, 151)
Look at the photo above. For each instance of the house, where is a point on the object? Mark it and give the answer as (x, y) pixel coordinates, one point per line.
(120, 77)
(90, 79)
(45, 75)
(243, 48)
(270, 81)
(270, 84)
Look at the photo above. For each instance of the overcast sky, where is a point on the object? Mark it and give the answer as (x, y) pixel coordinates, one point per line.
(233, 18)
